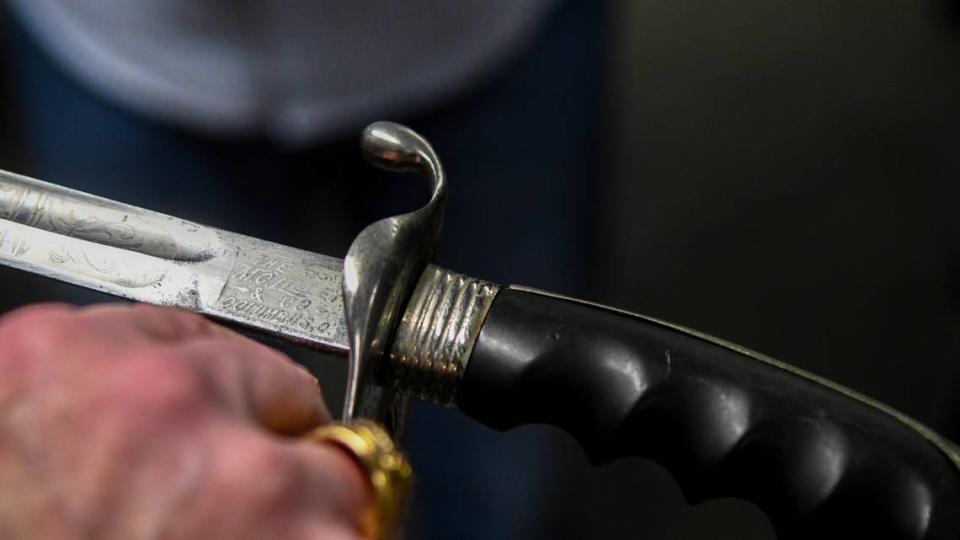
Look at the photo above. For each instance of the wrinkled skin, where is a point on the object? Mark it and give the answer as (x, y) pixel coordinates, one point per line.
(139, 422)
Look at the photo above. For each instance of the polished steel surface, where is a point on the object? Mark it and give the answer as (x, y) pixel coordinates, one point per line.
(381, 269)
(151, 257)
(437, 333)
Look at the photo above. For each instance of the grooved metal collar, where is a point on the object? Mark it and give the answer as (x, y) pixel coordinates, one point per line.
(437, 333)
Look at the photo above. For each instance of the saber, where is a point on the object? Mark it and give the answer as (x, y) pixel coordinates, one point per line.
(821, 460)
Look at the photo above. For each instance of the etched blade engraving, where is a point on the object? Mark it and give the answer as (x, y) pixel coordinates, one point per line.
(72, 213)
(296, 293)
(151, 257)
(84, 263)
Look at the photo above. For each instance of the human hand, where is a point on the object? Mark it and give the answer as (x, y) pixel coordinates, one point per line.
(133, 421)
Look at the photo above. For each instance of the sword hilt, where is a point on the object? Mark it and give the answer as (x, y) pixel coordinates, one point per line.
(819, 459)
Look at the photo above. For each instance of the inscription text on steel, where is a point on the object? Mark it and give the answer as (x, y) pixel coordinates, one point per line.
(285, 292)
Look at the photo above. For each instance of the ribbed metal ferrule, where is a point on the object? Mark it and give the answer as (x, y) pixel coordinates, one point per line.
(436, 335)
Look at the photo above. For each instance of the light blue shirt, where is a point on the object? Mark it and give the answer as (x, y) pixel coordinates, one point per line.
(296, 70)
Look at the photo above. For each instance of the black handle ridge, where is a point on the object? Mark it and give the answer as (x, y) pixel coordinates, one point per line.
(820, 461)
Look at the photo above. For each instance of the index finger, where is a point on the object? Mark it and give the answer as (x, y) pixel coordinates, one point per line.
(250, 379)
(257, 382)
(133, 323)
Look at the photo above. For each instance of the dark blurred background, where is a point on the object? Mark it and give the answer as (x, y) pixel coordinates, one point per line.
(781, 174)
(785, 175)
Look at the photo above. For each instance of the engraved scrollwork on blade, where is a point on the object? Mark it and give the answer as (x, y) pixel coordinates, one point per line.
(62, 215)
(13, 245)
(78, 215)
(94, 228)
(102, 264)
(11, 199)
(105, 267)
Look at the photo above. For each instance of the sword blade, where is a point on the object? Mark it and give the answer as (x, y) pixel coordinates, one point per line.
(151, 257)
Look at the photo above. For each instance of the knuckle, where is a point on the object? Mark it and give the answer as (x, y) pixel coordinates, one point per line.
(176, 322)
(168, 313)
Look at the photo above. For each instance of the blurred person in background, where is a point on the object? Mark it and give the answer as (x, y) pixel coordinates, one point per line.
(245, 116)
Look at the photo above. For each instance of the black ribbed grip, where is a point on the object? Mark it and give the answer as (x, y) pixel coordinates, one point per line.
(819, 460)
